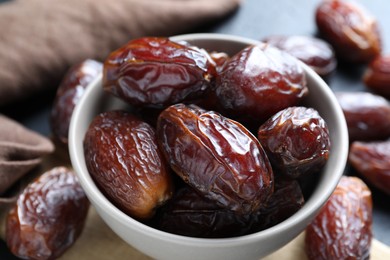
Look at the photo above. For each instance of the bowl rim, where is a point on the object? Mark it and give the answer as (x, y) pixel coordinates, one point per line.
(77, 160)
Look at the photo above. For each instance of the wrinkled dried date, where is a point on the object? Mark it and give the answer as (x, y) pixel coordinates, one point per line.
(48, 216)
(286, 200)
(216, 156)
(367, 115)
(69, 93)
(296, 141)
(343, 227)
(350, 29)
(259, 81)
(190, 214)
(377, 75)
(372, 161)
(122, 157)
(314, 52)
(157, 72)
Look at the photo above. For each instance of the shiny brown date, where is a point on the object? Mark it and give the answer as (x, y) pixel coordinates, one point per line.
(123, 159)
(157, 72)
(377, 76)
(69, 93)
(296, 141)
(217, 156)
(343, 227)
(367, 115)
(190, 214)
(48, 216)
(372, 161)
(259, 81)
(314, 52)
(350, 29)
(286, 200)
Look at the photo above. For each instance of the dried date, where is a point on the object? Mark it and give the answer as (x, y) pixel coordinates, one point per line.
(377, 75)
(189, 213)
(259, 81)
(296, 141)
(350, 29)
(286, 200)
(48, 216)
(157, 72)
(69, 93)
(216, 156)
(122, 156)
(314, 52)
(367, 115)
(343, 227)
(372, 161)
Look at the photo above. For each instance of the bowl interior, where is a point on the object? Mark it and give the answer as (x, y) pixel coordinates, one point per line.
(160, 244)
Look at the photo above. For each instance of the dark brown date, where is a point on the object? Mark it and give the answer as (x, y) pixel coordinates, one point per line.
(69, 93)
(377, 75)
(122, 157)
(372, 161)
(259, 81)
(367, 115)
(188, 213)
(343, 227)
(157, 72)
(216, 156)
(314, 52)
(286, 200)
(48, 217)
(350, 29)
(296, 141)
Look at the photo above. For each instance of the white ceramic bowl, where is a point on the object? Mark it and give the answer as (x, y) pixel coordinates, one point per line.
(163, 245)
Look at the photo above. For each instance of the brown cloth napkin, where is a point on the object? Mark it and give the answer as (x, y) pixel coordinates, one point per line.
(20, 151)
(41, 39)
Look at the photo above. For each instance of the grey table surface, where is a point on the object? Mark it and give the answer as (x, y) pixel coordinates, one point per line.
(256, 19)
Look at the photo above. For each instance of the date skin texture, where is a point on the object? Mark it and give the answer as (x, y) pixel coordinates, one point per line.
(367, 115)
(157, 72)
(48, 217)
(123, 159)
(343, 227)
(191, 214)
(372, 161)
(286, 200)
(258, 82)
(296, 141)
(314, 52)
(68, 95)
(217, 156)
(377, 76)
(350, 29)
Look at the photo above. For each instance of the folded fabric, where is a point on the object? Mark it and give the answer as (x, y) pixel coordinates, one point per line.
(41, 39)
(20, 151)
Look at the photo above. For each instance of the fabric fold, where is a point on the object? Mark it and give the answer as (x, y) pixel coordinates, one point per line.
(43, 38)
(20, 151)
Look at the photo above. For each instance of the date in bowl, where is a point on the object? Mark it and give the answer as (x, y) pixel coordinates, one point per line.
(163, 245)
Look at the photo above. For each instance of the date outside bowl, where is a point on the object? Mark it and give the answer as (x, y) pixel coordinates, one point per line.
(162, 245)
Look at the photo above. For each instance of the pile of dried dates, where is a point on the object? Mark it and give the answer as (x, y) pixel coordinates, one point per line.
(214, 146)
(210, 145)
